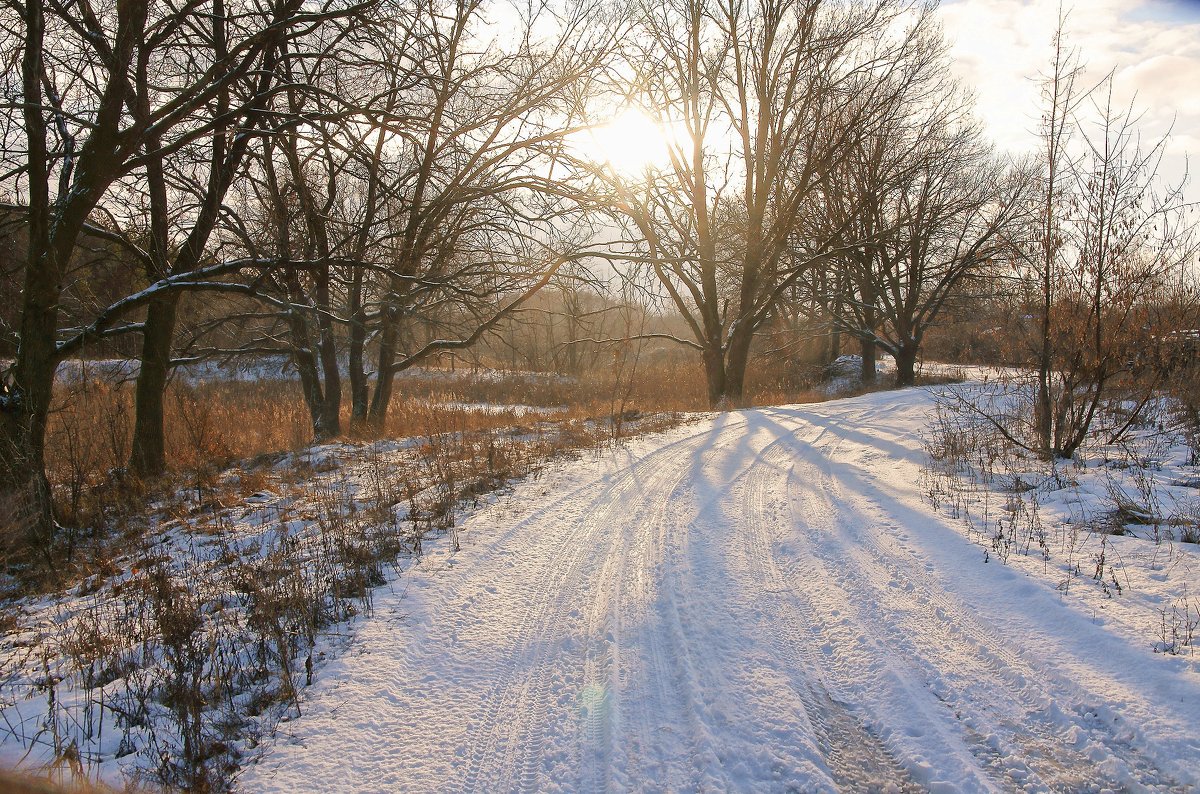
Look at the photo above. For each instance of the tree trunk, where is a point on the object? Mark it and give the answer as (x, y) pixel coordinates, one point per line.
(1043, 410)
(331, 405)
(25, 400)
(303, 355)
(389, 346)
(867, 347)
(24, 410)
(25, 395)
(906, 364)
(714, 373)
(384, 373)
(310, 387)
(148, 457)
(360, 394)
(359, 391)
(310, 380)
(738, 359)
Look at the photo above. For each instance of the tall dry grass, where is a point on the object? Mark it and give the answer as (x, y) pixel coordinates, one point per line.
(211, 425)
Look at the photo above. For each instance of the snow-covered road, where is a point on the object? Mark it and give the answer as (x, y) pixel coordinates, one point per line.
(758, 601)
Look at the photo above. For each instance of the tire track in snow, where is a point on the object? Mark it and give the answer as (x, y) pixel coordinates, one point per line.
(1075, 769)
(649, 665)
(920, 621)
(711, 602)
(497, 732)
(655, 674)
(856, 758)
(511, 733)
(604, 685)
(850, 637)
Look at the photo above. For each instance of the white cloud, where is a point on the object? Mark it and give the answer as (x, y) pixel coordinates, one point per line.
(1000, 47)
(1167, 85)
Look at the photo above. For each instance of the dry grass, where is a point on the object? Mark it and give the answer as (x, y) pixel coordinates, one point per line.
(210, 425)
(213, 426)
(17, 783)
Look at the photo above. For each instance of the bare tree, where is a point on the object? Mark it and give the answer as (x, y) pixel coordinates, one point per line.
(416, 206)
(763, 99)
(1061, 98)
(1105, 256)
(93, 116)
(184, 195)
(950, 227)
(924, 206)
(481, 218)
(1103, 268)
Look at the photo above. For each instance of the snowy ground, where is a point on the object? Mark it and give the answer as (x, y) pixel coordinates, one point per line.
(272, 368)
(763, 600)
(844, 373)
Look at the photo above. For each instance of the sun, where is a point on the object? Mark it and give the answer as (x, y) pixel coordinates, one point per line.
(631, 143)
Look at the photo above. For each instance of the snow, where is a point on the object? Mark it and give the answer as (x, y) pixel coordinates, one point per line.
(253, 368)
(844, 373)
(516, 409)
(761, 600)
(121, 370)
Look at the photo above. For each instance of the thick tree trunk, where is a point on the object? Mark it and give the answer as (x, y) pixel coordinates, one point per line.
(714, 374)
(737, 361)
(360, 394)
(306, 360)
(25, 395)
(310, 387)
(310, 382)
(24, 410)
(25, 399)
(389, 347)
(384, 375)
(148, 457)
(906, 364)
(331, 406)
(869, 356)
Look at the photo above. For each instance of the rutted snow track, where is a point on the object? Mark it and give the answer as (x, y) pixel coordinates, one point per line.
(756, 602)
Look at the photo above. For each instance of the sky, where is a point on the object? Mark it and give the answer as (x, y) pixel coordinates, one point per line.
(1152, 46)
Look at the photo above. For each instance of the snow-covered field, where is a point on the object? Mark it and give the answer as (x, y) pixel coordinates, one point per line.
(272, 368)
(762, 600)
